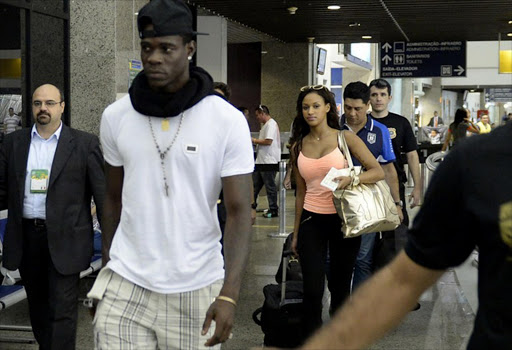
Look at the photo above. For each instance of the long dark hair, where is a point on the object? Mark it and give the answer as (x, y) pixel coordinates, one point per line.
(460, 115)
(301, 127)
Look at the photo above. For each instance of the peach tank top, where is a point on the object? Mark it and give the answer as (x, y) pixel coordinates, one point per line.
(318, 198)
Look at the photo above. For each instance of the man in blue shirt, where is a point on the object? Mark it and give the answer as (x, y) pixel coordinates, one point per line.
(356, 101)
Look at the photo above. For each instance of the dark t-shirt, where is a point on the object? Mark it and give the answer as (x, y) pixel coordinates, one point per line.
(469, 203)
(402, 138)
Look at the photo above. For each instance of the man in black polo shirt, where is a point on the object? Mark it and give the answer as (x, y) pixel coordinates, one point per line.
(376, 137)
(402, 138)
(473, 210)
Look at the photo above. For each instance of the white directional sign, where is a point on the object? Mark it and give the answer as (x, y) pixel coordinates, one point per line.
(423, 59)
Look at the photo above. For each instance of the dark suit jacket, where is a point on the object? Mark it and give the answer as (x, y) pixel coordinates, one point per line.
(76, 175)
(439, 121)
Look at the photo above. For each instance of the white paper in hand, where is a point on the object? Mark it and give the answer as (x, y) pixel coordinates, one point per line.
(329, 181)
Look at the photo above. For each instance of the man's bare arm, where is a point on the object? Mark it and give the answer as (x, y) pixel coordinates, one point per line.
(238, 197)
(377, 306)
(414, 167)
(263, 142)
(112, 208)
(391, 178)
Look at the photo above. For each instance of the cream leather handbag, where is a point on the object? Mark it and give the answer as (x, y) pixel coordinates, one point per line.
(364, 208)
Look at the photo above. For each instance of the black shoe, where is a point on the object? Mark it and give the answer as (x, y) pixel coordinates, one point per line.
(271, 214)
(417, 307)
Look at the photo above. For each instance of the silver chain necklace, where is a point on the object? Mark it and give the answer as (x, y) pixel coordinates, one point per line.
(164, 153)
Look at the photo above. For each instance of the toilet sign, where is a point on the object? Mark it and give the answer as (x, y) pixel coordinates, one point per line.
(401, 59)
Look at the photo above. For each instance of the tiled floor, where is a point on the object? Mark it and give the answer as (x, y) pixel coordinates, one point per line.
(443, 322)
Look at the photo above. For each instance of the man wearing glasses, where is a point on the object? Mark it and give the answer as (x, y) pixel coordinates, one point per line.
(48, 175)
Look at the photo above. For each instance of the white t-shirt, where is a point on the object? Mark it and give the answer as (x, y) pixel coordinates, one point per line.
(170, 244)
(269, 154)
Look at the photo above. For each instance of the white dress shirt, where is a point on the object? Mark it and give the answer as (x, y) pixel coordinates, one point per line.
(40, 156)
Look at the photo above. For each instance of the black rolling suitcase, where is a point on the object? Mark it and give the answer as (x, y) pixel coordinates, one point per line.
(281, 313)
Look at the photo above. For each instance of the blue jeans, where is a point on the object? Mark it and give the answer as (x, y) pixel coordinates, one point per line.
(364, 262)
(267, 178)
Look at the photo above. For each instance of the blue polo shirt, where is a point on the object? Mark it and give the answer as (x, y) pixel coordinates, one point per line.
(376, 137)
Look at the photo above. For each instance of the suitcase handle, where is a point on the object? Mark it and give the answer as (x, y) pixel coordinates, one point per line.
(255, 316)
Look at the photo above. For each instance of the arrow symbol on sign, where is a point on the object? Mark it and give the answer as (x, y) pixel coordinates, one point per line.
(386, 59)
(386, 47)
(459, 70)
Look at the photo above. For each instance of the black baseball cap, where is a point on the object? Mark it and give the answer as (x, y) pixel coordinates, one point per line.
(169, 17)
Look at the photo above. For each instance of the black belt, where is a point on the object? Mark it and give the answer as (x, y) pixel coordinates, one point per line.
(35, 222)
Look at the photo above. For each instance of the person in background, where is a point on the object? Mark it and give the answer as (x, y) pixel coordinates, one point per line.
(11, 121)
(245, 112)
(458, 130)
(48, 175)
(404, 141)
(317, 226)
(268, 152)
(289, 177)
(402, 138)
(435, 138)
(223, 89)
(356, 101)
(481, 216)
(170, 146)
(505, 118)
(435, 120)
(484, 127)
(436, 125)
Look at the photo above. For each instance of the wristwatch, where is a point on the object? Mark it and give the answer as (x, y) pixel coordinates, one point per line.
(400, 203)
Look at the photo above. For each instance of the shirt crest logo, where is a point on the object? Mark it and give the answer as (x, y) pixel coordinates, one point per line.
(371, 138)
(506, 223)
(392, 132)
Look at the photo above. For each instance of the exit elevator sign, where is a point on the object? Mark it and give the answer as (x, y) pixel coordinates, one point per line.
(401, 59)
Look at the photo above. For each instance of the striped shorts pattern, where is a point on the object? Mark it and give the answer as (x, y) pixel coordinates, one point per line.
(130, 317)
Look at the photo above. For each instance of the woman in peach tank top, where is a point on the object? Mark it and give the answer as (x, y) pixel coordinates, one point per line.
(317, 227)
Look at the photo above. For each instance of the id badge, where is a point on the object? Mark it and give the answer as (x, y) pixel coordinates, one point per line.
(38, 181)
(165, 125)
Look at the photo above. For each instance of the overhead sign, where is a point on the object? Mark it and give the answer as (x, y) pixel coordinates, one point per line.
(401, 59)
(503, 94)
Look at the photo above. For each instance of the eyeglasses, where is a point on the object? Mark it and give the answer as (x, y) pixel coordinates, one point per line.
(49, 104)
(313, 87)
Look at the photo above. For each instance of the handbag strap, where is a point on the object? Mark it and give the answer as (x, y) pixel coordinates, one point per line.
(342, 144)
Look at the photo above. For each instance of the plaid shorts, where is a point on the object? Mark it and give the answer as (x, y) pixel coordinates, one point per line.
(131, 317)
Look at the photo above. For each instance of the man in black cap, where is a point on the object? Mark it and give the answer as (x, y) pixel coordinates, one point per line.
(170, 146)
